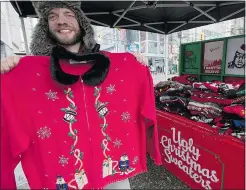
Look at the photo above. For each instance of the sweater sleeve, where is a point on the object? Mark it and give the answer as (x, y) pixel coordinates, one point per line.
(148, 111)
(14, 140)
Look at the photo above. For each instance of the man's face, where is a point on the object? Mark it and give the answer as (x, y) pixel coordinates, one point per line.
(64, 27)
(239, 60)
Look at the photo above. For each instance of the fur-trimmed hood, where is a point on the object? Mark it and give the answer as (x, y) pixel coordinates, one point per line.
(42, 43)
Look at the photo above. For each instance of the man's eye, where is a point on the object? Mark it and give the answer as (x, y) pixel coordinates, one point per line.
(70, 15)
(52, 17)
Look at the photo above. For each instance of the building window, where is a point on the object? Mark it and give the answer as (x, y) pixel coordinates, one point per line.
(152, 47)
(142, 36)
(143, 47)
(161, 50)
(162, 38)
(156, 64)
(152, 36)
(132, 36)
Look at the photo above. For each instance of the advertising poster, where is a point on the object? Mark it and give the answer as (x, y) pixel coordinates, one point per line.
(191, 57)
(235, 58)
(212, 58)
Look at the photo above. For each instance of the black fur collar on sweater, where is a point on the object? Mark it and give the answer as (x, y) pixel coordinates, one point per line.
(95, 76)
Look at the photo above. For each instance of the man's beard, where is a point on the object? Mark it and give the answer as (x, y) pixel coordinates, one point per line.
(76, 39)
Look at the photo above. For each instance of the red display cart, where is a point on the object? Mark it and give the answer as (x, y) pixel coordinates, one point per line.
(198, 155)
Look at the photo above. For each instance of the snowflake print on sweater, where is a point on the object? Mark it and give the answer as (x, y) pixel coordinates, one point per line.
(63, 161)
(111, 89)
(52, 95)
(117, 143)
(44, 132)
(125, 117)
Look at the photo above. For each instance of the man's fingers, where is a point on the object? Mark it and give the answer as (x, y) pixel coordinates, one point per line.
(9, 63)
(2, 69)
(16, 60)
(4, 66)
(140, 58)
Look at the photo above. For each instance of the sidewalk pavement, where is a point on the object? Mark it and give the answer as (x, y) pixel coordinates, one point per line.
(157, 177)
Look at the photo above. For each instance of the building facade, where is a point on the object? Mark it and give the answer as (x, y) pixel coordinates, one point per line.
(12, 40)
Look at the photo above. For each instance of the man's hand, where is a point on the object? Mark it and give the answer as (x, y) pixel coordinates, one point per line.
(9, 63)
(142, 59)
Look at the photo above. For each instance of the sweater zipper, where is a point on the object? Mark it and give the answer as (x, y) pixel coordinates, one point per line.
(87, 120)
(86, 113)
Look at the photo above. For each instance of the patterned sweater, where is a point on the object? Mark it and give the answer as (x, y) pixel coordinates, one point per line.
(75, 135)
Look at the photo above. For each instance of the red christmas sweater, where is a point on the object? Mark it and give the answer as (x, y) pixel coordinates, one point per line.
(76, 136)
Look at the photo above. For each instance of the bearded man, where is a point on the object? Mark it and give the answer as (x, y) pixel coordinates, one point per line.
(65, 25)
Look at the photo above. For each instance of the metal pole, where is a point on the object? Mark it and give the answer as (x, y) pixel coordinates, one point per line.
(139, 41)
(117, 39)
(24, 35)
(147, 43)
(97, 22)
(180, 43)
(130, 6)
(166, 57)
(230, 15)
(206, 14)
(154, 29)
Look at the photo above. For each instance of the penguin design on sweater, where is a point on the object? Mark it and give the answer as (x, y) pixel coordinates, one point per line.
(60, 183)
(124, 164)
